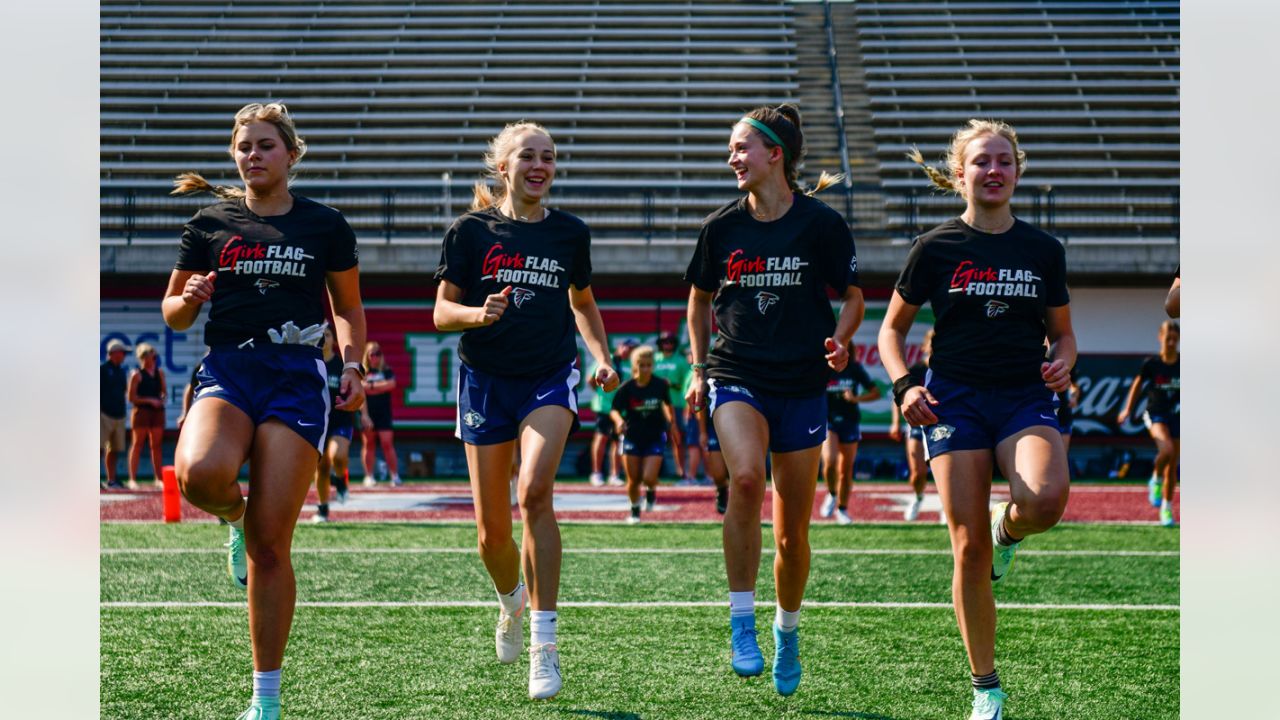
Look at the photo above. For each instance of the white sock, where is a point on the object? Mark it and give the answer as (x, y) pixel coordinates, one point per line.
(512, 601)
(543, 627)
(786, 619)
(266, 684)
(238, 523)
(742, 603)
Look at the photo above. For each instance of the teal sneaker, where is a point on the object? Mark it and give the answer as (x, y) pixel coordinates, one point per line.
(988, 704)
(1166, 517)
(1153, 491)
(1001, 555)
(786, 660)
(262, 709)
(237, 566)
(745, 658)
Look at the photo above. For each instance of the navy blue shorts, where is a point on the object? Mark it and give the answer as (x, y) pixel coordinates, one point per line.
(645, 446)
(794, 423)
(971, 418)
(287, 382)
(847, 430)
(605, 426)
(491, 407)
(1170, 419)
(915, 433)
(342, 430)
(692, 435)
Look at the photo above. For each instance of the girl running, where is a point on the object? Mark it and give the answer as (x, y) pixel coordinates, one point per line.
(643, 412)
(766, 260)
(379, 381)
(262, 258)
(998, 289)
(515, 277)
(917, 468)
(844, 430)
(147, 390)
(1160, 378)
(334, 457)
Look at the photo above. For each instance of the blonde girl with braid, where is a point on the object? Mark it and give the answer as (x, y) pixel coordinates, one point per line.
(763, 264)
(998, 289)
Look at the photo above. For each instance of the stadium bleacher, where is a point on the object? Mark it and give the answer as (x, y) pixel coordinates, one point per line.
(397, 100)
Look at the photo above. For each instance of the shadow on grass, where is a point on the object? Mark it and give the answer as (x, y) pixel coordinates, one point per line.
(850, 714)
(604, 714)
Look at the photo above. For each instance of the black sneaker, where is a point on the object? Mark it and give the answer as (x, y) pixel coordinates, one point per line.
(115, 485)
(722, 500)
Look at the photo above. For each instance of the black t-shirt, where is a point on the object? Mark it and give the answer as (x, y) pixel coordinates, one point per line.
(770, 282)
(379, 406)
(1163, 388)
(641, 408)
(333, 371)
(113, 383)
(919, 371)
(270, 269)
(484, 252)
(854, 377)
(989, 295)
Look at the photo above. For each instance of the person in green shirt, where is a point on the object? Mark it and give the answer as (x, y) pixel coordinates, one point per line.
(606, 435)
(670, 365)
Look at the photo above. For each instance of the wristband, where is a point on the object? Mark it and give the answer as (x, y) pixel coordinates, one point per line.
(698, 366)
(901, 386)
(354, 366)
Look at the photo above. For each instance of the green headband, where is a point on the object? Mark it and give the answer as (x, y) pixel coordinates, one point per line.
(769, 134)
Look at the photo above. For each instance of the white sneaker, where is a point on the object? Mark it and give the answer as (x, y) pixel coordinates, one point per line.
(842, 518)
(369, 481)
(318, 518)
(544, 671)
(132, 484)
(509, 636)
(828, 506)
(633, 520)
(597, 480)
(615, 481)
(913, 509)
(649, 506)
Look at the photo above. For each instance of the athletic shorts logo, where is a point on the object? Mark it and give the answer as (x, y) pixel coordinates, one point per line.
(264, 285)
(995, 307)
(208, 389)
(853, 264)
(520, 295)
(543, 396)
(736, 389)
(813, 430)
(941, 432)
(473, 419)
(765, 300)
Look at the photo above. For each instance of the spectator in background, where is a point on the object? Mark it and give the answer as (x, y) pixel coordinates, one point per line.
(670, 365)
(917, 467)
(606, 440)
(642, 411)
(846, 390)
(1160, 377)
(112, 381)
(337, 443)
(147, 394)
(189, 392)
(379, 381)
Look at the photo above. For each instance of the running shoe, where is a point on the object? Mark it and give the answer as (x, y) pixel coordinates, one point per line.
(369, 481)
(1166, 517)
(341, 494)
(237, 565)
(988, 704)
(318, 518)
(396, 481)
(745, 658)
(649, 505)
(786, 660)
(913, 509)
(1153, 491)
(262, 709)
(1001, 555)
(132, 484)
(544, 671)
(633, 519)
(842, 517)
(509, 636)
(115, 485)
(722, 500)
(828, 506)
(597, 480)
(615, 481)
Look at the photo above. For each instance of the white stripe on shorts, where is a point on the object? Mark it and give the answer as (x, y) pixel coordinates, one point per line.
(924, 436)
(324, 375)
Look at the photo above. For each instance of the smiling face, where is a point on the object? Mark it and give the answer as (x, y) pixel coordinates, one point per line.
(530, 168)
(751, 160)
(989, 173)
(262, 157)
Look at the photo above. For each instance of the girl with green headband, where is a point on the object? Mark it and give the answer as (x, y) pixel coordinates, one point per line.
(763, 263)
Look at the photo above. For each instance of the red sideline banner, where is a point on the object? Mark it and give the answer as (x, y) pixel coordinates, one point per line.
(426, 362)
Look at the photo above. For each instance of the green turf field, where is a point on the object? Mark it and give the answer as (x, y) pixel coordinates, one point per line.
(1089, 627)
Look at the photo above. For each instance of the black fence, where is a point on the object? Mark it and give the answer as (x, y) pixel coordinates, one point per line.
(409, 214)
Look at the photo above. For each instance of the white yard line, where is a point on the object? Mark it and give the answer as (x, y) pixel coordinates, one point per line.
(1092, 607)
(638, 551)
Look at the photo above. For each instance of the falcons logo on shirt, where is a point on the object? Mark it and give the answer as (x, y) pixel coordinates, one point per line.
(995, 307)
(765, 300)
(520, 295)
(264, 285)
